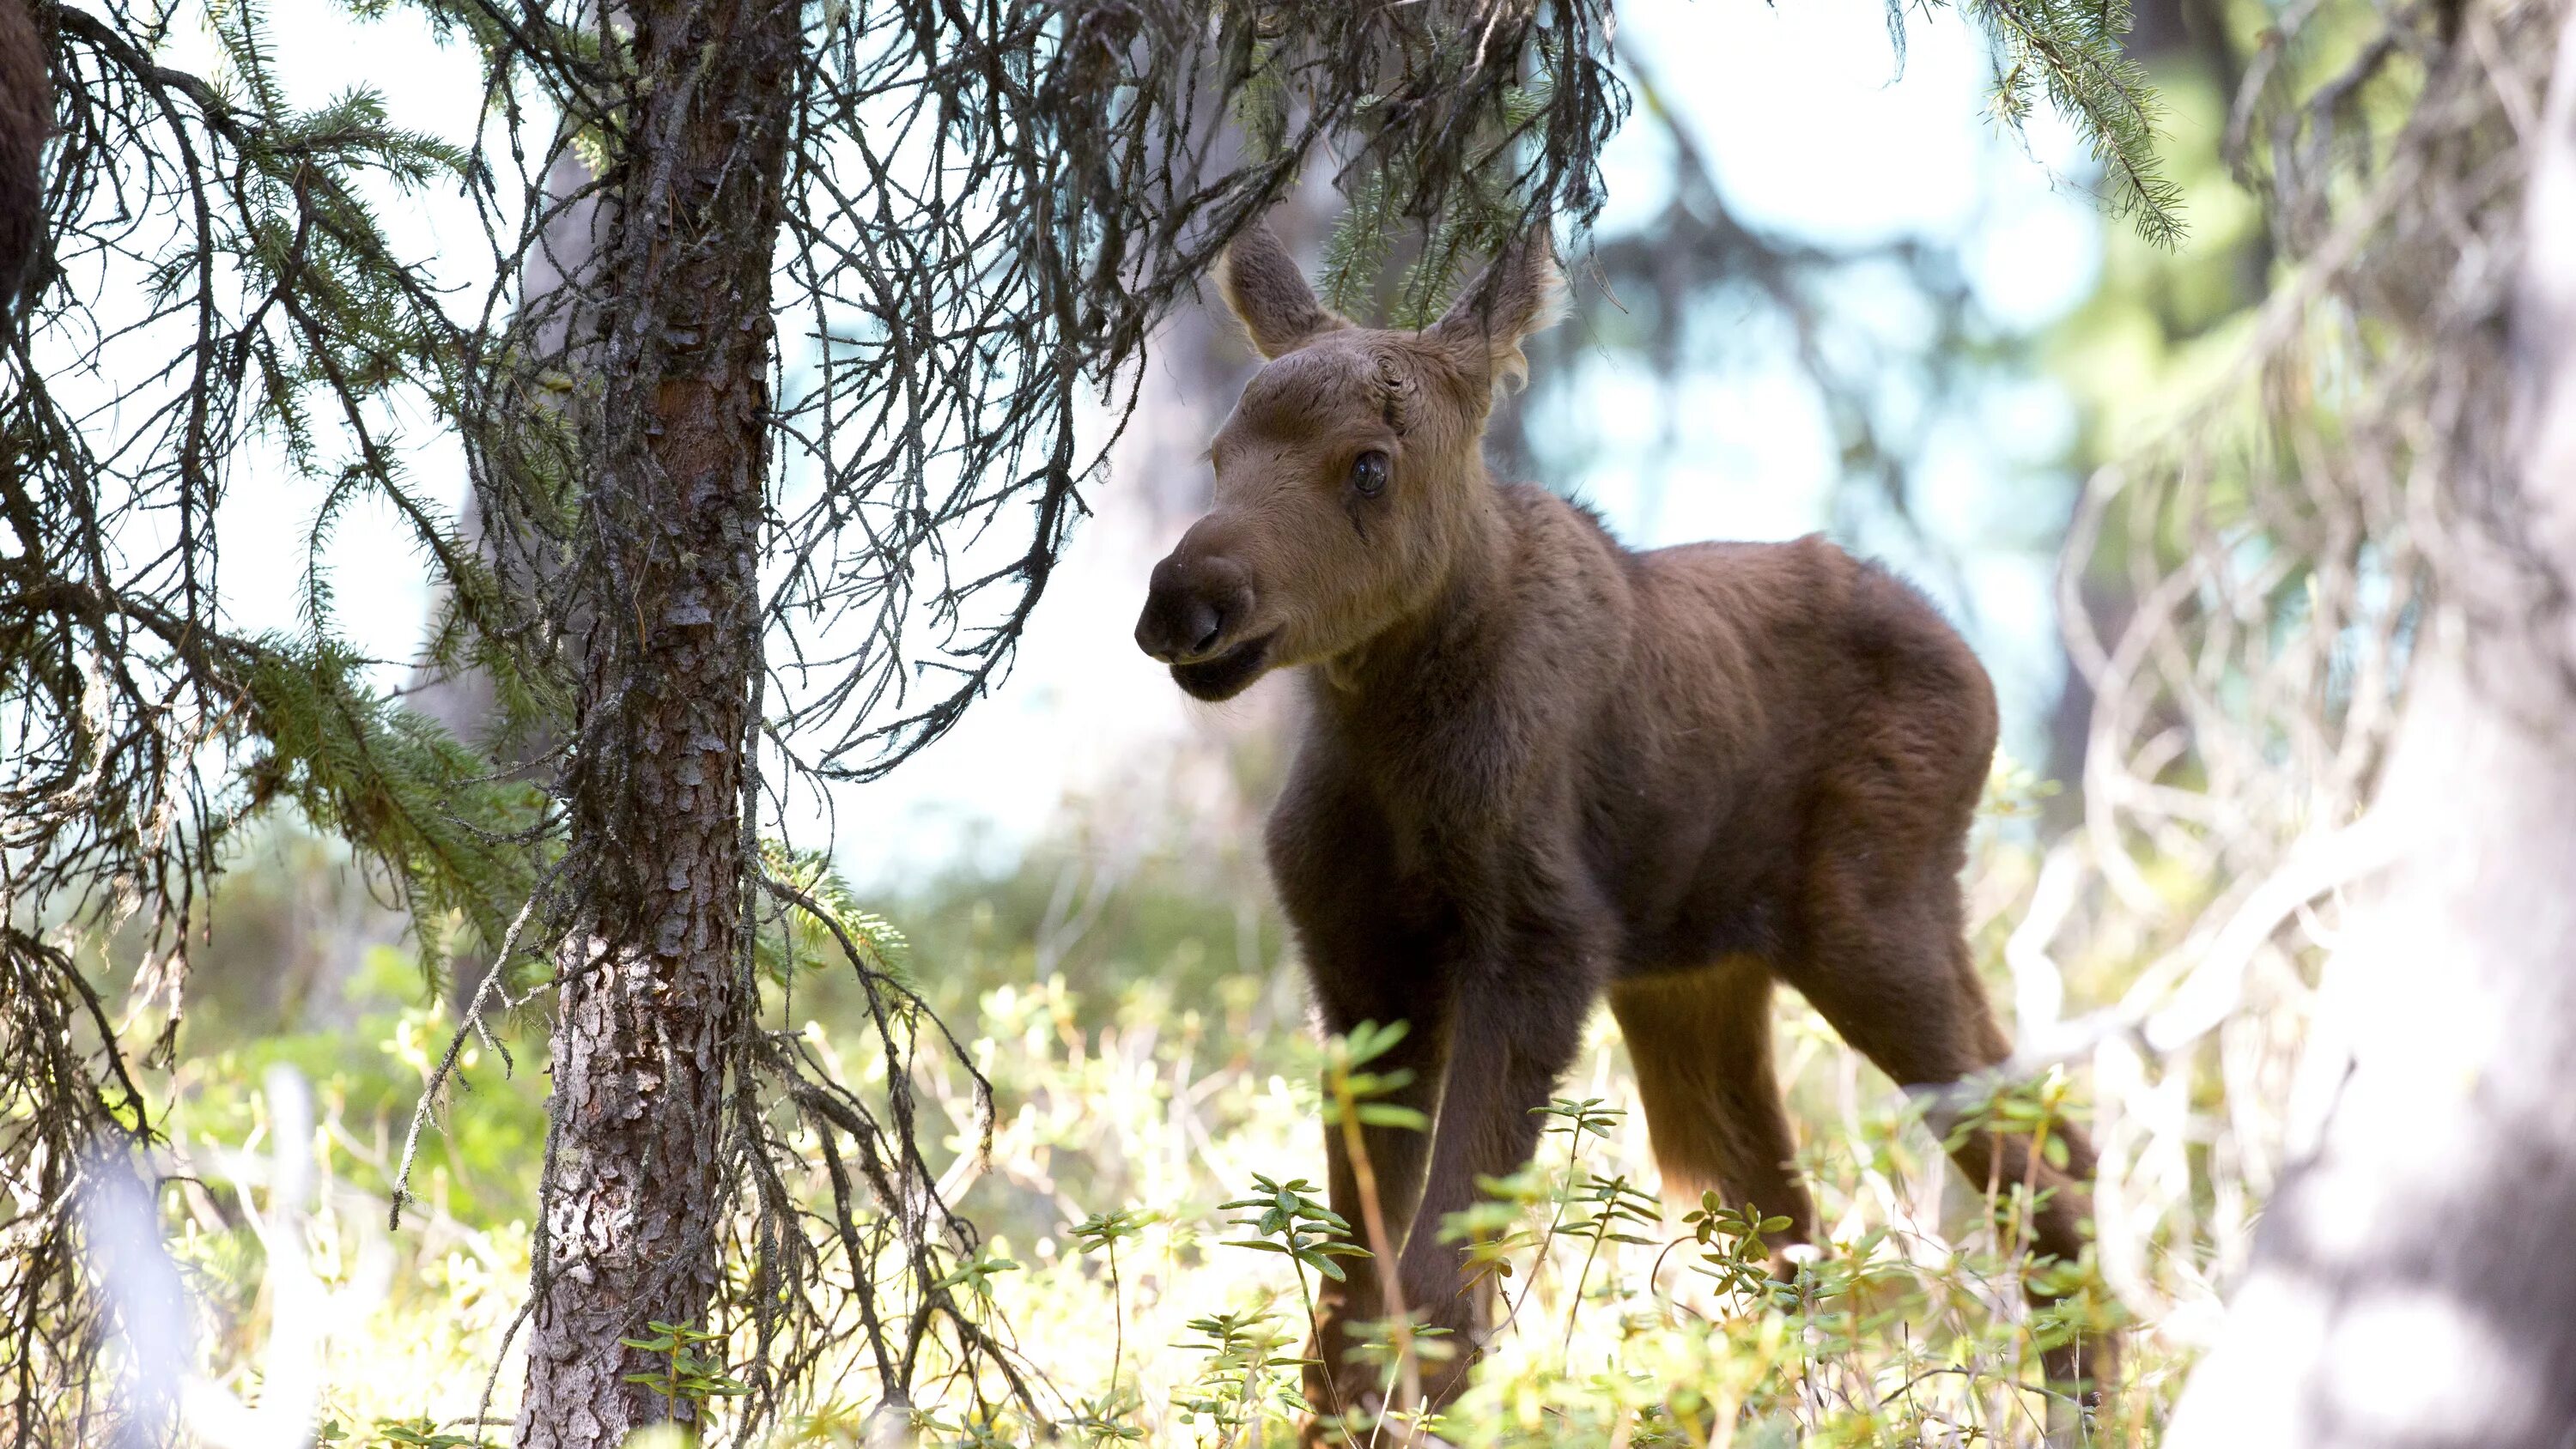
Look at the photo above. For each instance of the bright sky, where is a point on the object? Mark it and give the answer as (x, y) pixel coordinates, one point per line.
(1809, 127)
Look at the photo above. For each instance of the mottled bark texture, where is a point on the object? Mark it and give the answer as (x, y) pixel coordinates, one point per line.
(652, 989)
(26, 119)
(2412, 1283)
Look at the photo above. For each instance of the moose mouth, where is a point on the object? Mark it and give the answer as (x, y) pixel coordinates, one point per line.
(1223, 676)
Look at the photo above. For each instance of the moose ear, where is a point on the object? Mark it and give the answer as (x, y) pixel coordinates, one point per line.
(1269, 295)
(1519, 292)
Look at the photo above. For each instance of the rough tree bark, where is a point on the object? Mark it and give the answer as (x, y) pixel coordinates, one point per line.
(650, 990)
(2412, 1282)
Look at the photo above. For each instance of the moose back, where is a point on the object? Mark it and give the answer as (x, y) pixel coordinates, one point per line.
(1539, 767)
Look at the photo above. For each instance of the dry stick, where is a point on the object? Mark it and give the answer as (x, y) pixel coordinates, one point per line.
(501, 1355)
(1315, 1331)
(1408, 1372)
(1994, 1189)
(447, 1063)
(967, 1331)
(1547, 1239)
(1574, 1301)
(2177, 1000)
(2011, 1242)
(2030, 1170)
(1117, 1324)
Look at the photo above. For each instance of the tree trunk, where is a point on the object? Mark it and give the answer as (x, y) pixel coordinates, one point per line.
(652, 991)
(2412, 1282)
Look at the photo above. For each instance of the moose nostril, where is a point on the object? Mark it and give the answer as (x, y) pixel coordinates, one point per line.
(1180, 624)
(1206, 637)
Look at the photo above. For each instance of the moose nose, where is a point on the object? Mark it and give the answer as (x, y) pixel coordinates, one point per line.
(1189, 608)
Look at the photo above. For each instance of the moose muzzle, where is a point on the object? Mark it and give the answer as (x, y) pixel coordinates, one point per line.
(1198, 612)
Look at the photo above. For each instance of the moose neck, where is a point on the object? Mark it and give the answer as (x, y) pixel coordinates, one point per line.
(1432, 650)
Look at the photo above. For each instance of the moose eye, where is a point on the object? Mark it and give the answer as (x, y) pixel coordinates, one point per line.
(1369, 473)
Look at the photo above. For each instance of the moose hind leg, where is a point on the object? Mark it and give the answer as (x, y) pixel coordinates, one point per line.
(1701, 1045)
(1898, 984)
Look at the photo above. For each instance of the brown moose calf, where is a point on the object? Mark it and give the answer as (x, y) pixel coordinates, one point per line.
(1540, 766)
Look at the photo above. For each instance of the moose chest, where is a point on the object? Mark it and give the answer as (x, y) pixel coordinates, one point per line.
(1426, 846)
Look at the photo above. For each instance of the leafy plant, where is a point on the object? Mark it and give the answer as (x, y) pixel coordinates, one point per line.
(419, 1433)
(976, 1272)
(1734, 1254)
(1287, 1220)
(1615, 1206)
(1102, 1233)
(1496, 1227)
(686, 1376)
(1244, 1379)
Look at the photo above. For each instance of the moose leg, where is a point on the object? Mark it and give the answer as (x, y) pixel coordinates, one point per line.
(1511, 1040)
(1395, 1161)
(1900, 987)
(1701, 1045)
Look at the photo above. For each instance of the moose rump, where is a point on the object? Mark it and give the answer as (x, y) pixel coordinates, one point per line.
(1539, 768)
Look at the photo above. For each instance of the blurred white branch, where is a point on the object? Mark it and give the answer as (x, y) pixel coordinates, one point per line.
(154, 1311)
(2189, 991)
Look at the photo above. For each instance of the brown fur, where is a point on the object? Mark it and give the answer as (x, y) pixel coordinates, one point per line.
(26, 121)
(1541, 768)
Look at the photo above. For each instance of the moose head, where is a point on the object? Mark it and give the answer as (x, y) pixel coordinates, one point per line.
(1350, 479)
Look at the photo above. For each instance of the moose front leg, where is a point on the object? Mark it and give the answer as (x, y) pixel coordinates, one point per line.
(1385, 1188)
(1358, 979)
(1381, 1192)
(1513, 1034)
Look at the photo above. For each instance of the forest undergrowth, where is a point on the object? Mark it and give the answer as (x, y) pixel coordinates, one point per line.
(1151, 1235)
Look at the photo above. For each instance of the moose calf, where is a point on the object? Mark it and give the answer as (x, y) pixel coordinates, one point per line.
(1540, 766)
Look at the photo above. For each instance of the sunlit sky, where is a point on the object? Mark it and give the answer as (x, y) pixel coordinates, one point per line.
(1810, 128)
